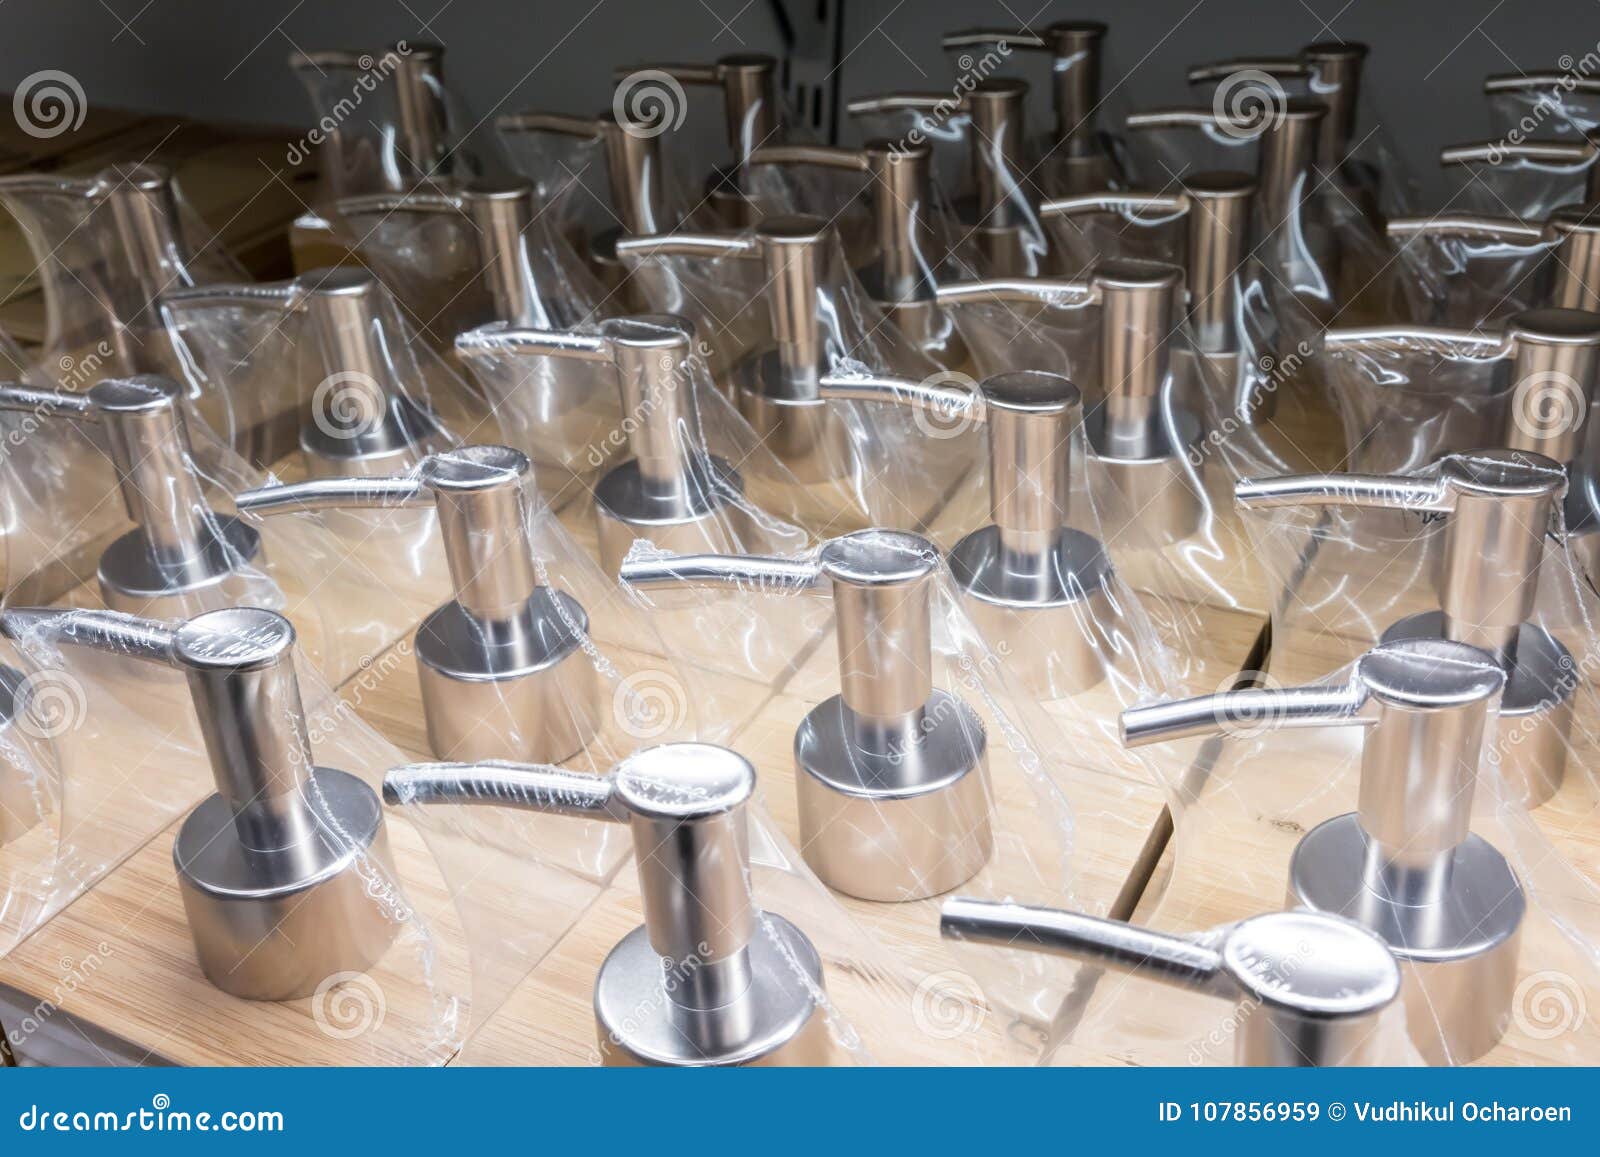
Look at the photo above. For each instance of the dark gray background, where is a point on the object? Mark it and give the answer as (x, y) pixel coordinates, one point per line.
(224, 59)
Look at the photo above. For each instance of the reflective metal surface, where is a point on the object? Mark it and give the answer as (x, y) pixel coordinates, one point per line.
(708, 979)
(285, 871)
(1315, 984)
(501, 667)
(893, 780)
(1405, 863)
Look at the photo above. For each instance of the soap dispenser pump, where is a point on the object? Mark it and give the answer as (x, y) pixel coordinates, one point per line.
(1405, 863)
(708, 978)
(181, 557)
(502, 665)
(891, 773)
(1310, 986)
(285, 870)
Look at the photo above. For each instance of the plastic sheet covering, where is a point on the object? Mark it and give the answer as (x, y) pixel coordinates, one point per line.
(855, 462)
(1511, 177)
(386, 122)
(913, 703)
(1322, 255)
(660, 460)
(111, 752)
(1470, 271)
(1363, 561)
(1164, 505)
(105, 248)
(449, 270)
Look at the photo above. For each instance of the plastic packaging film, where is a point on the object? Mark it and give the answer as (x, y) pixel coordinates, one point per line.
(1168, 427)
(342, 904)
(459, 257)
(1538, 154)
(780, 308)
(105, 249)
(1450, 599)
(903, 758)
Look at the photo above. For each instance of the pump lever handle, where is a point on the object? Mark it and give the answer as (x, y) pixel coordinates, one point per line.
(979, 37)
(381, 492)
(945, 400)
(502, 783)
(1279, 66)
(688, 245)
(1497, 152)
(1368, 491)
(1506, 230)
(17, 396)
(560, 124)
(287, 295)
(902, 102)
(827, 156)
(1049, 290)
(764, 573)
(109, 631)
(1112, 201)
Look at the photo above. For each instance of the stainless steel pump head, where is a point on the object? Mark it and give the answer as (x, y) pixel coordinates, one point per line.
(1311, 985)
(363, 421)
(1405, 863)
(777, 389)
(891, 773)
(1034, 587)
(1331, 71)
(1499, 506)
(285, 871)
(181, 557)
(669, 490)
(709, 978)
(1139, 434)
(502, 666)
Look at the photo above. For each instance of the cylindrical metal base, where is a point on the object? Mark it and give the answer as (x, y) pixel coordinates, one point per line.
(901, 816)
(712, 523)
(1153, 501)
(808, 437)
(775, 1022)
(1043, 626)
(1535, 708)
(274, 925)
(1458, 958)
(528, 694)
(131, 582)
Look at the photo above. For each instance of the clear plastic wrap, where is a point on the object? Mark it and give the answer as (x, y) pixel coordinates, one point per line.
(1470, 271)
(457, 259)
(386, 122)
(105, 249)
(953, 791)
(1168, 428)
(1321, 249)
(360, 935)
(1448, 602)
(1522, 178)
(780, 309)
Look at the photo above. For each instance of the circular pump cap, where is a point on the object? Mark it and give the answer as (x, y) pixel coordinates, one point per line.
(1313, 963)
(138, 393)
(1068, 35)
(496, 189)
(1555, 327)
(234, 639)
(1030, 392)
(879, 558)
(684, 781)
(1325, 50)
(1300, 108)
(474, 468)
(792, 229)
(748, 62)
(1576, 218)
(1505, 473)
(1430, 673)
(1218, 184)
(1131, 273)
